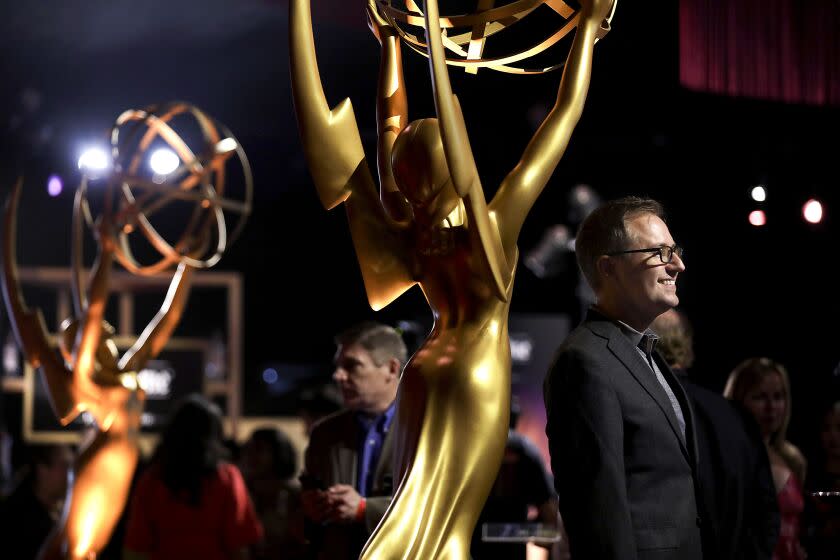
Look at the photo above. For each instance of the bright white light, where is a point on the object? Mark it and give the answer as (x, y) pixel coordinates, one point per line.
(270, 376)
(11, 359)
(94, 159)
(812, 211)
(225, 145)
(164, 161)
(757, 218)
(156, 381)
(759, 194)
(54, 185)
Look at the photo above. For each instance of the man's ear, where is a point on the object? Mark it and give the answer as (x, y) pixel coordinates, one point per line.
(605, 266)
(394, 368)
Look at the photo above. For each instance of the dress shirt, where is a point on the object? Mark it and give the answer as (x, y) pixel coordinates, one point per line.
(645, 343)
(373, 431)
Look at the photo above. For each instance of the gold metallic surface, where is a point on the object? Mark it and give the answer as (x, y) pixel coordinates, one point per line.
(92, 377)
(201, 179)
(467, 46)
(430, 225)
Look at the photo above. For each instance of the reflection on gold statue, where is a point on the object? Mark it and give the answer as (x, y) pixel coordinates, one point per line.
(466, 34)
(92, 377)
(429, 224)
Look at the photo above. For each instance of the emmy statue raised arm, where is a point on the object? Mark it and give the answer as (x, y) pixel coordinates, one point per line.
(429, 224)
(89, 376)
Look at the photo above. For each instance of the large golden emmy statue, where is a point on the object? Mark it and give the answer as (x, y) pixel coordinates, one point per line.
(429, 224)
(90, 376)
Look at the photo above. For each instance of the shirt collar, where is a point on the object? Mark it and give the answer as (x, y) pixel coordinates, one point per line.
(632, 334)
(646, 341)
(381, 421)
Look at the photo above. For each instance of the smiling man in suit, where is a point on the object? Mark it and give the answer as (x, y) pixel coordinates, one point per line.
(619, 425)
(348, 477)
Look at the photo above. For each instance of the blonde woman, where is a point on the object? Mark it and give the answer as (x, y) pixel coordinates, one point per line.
(762, 387)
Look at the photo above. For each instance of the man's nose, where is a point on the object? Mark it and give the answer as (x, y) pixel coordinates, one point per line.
(677, 263)
(339, 374)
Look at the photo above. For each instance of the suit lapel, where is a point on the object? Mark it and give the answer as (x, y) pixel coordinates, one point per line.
(627, 354)
(346, 460)
(384, 466)
(687, 409)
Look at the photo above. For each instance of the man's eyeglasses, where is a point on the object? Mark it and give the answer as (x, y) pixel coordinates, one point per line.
(666, 252)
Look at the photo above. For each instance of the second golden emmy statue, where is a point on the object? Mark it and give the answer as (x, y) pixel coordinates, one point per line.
(429, 223)
(87, 375)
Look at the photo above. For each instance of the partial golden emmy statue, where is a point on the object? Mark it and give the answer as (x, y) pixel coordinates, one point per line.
(428, 223)
(131, 207)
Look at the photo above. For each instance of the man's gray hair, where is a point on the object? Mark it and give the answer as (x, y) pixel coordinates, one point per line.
(381, 341)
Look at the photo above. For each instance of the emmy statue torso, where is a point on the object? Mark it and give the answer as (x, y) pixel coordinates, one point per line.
(452, 406)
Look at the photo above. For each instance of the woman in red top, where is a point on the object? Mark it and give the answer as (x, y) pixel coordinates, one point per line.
(189, 503)
(762, 387)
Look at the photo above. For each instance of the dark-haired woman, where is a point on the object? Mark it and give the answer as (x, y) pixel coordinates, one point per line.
(190, 503)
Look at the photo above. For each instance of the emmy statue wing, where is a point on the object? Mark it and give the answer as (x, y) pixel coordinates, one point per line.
(383, 252)
(459, 157)
(29, 327)
(336, 159)
(331, 141)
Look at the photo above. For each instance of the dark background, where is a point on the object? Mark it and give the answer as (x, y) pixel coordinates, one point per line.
(67, 69)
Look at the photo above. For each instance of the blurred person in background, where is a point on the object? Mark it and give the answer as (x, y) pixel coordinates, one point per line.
(269, 465)
(30, 512)
(521, 493)
(739, 496)
(762, 387)
(191, 503)
(318, 402)
(822, 513)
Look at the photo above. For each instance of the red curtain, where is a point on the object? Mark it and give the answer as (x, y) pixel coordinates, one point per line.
(785, 50)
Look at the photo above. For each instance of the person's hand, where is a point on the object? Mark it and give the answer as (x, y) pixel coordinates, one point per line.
(378, 25)
(315, 504)
(344, 503)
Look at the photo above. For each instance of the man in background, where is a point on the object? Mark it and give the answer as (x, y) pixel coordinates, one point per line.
(348, 477)
(735, 476)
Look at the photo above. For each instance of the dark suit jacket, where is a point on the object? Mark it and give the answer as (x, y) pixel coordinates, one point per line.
(333, 458)
(736, 480)
(625, 478)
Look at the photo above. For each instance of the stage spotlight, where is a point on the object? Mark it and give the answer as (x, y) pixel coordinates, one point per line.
(93, 161)
(812, 211)
(757, 218)
(759, 193)
(54, 185)
(164, 161)
(270, 376)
